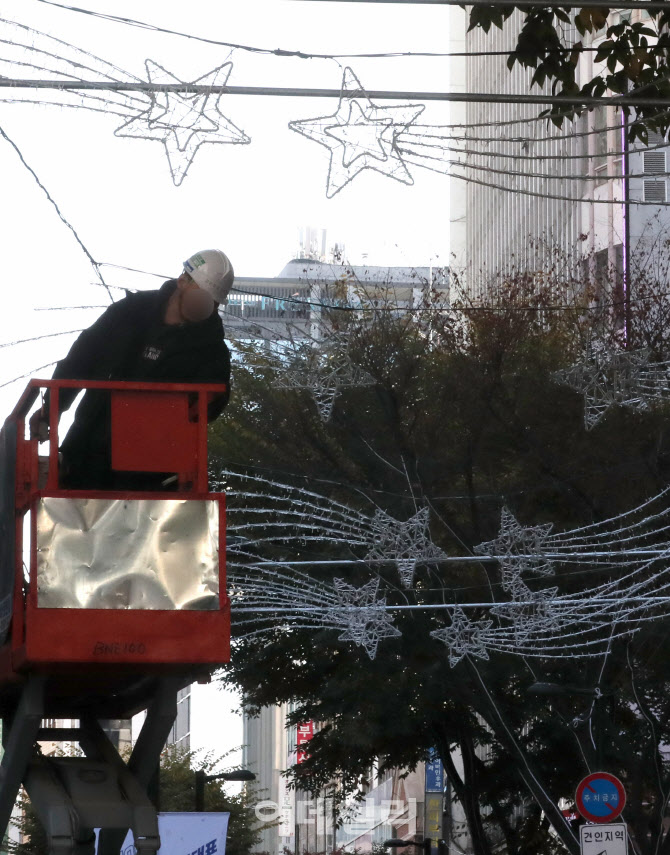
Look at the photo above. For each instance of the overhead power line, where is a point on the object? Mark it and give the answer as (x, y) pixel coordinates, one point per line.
(295, 92)
(539, 156)
(106, 105)
(302, 54)
(61, 216)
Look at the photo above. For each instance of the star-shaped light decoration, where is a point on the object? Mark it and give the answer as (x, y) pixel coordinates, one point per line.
(184, 121)
(532, 616)
(607, 379)
(519, 548)
(363, 615)
(405, 542)
(463, 637)
(360, 136)
(514, 585)
(322, 371)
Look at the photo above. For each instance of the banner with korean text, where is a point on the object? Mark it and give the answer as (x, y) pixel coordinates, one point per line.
(187, 834)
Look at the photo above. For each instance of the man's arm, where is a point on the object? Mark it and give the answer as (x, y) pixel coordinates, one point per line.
(88, 358)
(84, 361)
(217, 403)
(215, 370)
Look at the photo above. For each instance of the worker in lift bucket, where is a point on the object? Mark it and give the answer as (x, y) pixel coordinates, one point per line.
(172, 335)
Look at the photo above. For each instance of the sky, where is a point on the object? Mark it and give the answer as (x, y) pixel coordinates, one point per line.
(249, 200)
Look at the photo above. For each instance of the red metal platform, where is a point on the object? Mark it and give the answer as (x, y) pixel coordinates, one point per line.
(118, 645)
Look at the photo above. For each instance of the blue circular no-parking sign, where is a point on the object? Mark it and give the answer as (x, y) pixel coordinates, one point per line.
(600, 797)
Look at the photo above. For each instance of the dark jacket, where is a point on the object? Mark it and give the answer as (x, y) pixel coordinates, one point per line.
(129, 341)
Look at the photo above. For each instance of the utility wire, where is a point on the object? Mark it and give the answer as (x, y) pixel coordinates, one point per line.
(282, 52)
(27, 374)
(629, 100)
(38, 337)
(94, 263)
(537, 193)
(546, 176)
(118, 70)
(554, 138)
(395, 307)
(539, 156)
(538, 118)
(64, 308)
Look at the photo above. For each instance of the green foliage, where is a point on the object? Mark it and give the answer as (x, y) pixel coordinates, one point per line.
(34, 839)
(634, 55)
(177, 793)
(465, 418)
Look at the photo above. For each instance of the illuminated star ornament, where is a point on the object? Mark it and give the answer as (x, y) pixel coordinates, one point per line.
(609, 379)
(323, 372)
(360, 136)
(463, 637)
(364, 617)
(405, 542)
(519, 548)
(183, 121)
(531, 614)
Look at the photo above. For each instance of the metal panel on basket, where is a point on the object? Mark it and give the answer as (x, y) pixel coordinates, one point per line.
(127, 554)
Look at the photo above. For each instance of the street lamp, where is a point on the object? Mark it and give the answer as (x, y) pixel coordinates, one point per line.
(201, 778)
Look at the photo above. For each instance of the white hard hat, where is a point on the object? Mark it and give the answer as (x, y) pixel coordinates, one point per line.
(212, 271)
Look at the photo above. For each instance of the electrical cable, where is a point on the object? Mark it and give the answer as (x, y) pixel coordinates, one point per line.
(554, 137)
(84, 94)
(30, 373)
(38, 338)
(604, 304)
(93, 262)
(65, 308)
(534, 118)
(539, 156)
(631, 99)
(546, 176)
(539, 194)
(282, 52)
(98, 59)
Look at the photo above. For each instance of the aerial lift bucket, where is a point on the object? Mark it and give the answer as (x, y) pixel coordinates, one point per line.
(121, 602)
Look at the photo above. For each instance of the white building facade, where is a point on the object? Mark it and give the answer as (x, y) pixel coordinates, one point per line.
(537, 195)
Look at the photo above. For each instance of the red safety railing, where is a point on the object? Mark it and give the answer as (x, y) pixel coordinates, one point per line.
(155, 427)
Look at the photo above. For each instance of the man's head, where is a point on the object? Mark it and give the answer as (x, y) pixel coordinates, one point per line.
(205, 282)
(212, 271)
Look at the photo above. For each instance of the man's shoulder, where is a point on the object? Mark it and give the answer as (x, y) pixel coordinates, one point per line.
(138, 302)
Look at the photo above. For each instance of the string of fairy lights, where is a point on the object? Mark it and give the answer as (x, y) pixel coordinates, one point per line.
(632, 548)
(267, 520)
